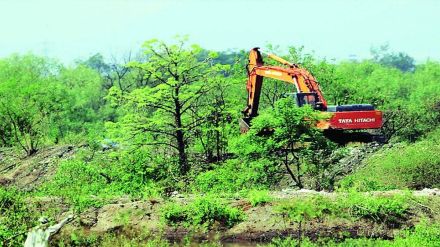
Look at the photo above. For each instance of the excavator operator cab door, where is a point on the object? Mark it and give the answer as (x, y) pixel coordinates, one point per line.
(302, 99)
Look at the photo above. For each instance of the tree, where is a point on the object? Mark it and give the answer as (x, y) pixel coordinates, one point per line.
(289, 138)
(399, 60)
(30, 98)
(167, 110)
(97, 63)
(85, 105)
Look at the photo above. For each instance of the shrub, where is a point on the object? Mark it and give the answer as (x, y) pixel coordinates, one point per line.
(391, 210)
(204, 211)
(380, 209)
(291, 242)
(238, 174)
(307, 209)
(16, 217)
(422, 235)
(78, 182)
(93, 176)
(258, 197)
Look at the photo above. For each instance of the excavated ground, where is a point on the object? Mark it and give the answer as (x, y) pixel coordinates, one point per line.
(262, 223)
(27, 173)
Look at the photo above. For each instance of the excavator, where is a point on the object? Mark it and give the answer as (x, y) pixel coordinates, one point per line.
(345, 121)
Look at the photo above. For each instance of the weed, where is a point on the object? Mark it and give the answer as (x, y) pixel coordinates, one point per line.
(204, 211)
(259, 197)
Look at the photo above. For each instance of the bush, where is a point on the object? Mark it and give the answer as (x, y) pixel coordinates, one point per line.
(203, 212)
(307, 209)
(16, 217)
(258, 197)
(78, 182)
(380, 209)
(238, 174)
(422, 235)
(94, 176)
(291, 242)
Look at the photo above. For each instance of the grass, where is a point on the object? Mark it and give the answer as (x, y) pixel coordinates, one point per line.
(204, 212)
(258, 197)
(407, 166)
(424, 234)
(389, 210)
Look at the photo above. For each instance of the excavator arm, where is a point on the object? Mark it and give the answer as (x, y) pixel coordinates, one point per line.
(304, 82)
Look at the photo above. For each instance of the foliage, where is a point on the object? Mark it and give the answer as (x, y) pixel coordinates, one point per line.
(42, 102)
(165, 112)
(390, 210)
(287, 137)
(30, 99)
(414, 166)
(259, 197)
(16, 217)
(106, 175)
(399, 60)
(307, 209)
(235, 175)
(422, 235)
(205, 211)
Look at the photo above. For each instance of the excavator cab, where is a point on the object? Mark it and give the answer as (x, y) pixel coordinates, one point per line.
(302, 99)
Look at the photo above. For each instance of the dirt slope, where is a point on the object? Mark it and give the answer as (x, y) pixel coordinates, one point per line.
(28, 173)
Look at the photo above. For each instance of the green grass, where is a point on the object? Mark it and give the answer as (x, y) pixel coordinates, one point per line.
(258, 197)
(390, 210)
(16, 217)
(407, 166)
(422, 235)
(204, 212)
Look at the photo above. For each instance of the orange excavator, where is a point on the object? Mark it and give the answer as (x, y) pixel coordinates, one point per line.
(342, 117)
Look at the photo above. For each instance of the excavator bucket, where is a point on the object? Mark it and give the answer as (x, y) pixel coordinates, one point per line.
(244, 125)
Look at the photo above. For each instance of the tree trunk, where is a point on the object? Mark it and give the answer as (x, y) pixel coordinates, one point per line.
(180, 136)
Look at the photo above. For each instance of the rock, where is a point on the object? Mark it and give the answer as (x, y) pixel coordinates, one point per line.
(116, 216)
(89, 218)
(428, 192)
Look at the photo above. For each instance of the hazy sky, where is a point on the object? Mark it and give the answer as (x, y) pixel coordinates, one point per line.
(71, 29)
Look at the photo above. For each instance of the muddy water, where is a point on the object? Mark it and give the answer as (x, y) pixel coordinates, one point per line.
(237, 244)
(245, 244)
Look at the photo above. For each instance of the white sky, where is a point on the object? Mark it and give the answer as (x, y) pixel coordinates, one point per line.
(71, 29)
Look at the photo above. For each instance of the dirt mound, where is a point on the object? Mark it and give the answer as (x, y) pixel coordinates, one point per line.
(28, 172)
(262, 223)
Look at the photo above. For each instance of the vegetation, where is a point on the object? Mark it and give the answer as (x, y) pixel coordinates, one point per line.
(15, 218)
(259, 197)
(202, 212)
(423, 235)
(407, 166)
(165, 122)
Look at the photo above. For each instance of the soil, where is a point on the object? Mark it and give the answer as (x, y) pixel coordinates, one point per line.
(29, 172)
(262, 222)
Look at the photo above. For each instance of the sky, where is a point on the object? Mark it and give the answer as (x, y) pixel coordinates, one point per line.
(334, 29)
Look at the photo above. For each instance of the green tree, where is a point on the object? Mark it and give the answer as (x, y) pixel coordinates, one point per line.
(399, 60)
(30, 98)
(166, 111)
(86, 106)
(288, 137)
